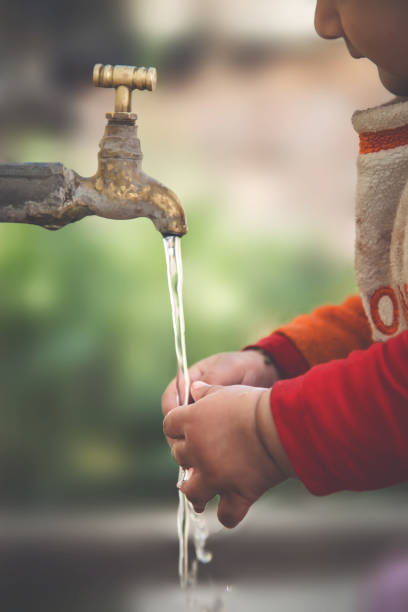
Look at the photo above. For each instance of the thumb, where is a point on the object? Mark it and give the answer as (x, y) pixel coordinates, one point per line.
(200, 389)
(232, 508)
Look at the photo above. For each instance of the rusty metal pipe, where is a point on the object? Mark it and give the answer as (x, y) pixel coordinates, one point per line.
(41, 194)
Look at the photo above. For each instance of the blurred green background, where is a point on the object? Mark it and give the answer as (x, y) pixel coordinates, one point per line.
(86, 342)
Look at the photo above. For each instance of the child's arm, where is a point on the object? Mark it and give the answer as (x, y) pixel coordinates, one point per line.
(329, 332)
(344, 424)
(229, 439)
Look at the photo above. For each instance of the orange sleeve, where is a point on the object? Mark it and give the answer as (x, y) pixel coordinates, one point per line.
(330, 332)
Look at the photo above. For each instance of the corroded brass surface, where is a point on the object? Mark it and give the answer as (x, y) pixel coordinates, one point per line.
(52, 196)
(121, 190)
(124, 79)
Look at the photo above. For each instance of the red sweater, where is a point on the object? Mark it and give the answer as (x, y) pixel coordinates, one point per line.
(343, 424)
(342, 412)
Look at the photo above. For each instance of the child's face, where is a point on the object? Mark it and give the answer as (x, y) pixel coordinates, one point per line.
(376, 29)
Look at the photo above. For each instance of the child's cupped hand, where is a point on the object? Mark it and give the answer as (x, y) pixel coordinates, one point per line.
(229, 439)
(234, 368)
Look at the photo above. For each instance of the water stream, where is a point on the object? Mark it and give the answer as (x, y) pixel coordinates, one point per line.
(187, 518)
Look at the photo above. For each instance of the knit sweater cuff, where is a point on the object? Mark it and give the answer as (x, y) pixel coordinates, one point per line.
(287, 358)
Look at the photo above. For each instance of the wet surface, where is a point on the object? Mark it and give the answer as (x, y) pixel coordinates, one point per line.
(279, 560)
(314, 596)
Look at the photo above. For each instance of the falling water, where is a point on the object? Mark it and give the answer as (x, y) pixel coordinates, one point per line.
(186, 516)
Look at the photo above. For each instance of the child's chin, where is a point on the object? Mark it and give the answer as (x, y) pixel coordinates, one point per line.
(395, 84)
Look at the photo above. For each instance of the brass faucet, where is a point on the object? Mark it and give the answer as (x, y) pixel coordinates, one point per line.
(52, 196)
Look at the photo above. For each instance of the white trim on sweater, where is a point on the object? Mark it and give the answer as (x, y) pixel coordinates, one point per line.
(392, 114)
(381, 257)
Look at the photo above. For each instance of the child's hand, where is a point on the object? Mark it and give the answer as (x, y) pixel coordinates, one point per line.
(238, 368)
(229, 439)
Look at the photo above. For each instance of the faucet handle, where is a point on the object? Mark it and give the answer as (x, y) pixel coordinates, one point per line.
(124, 79)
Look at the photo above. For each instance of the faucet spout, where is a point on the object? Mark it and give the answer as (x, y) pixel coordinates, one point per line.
(141, 196)
(52, 196)
(121, 190)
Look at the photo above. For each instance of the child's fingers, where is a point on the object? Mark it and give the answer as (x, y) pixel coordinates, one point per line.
(232, 509)
(209, 372)
(170, 397)
(200, 389)
(196, 372)
(173, 424)
(181, 454)
(197, 491)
